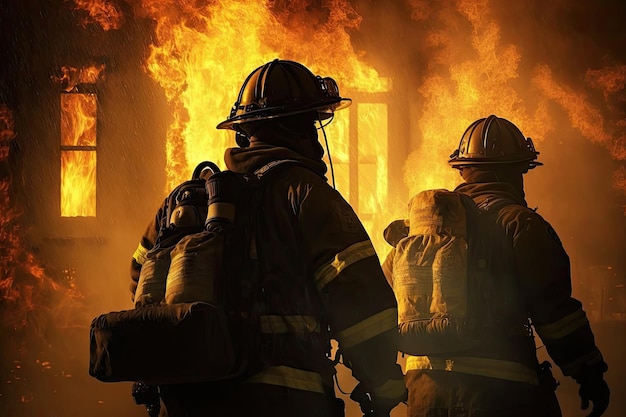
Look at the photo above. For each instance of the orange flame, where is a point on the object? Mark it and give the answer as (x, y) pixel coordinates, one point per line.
(104, 13)
(26, 288)
(78, 160)
(486, 84)
(7, 131)
(470, 77)
(71, 77)
(205, 51)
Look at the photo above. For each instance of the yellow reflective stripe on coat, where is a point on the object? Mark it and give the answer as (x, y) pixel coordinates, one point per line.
(368, 328)
(349, 256)
(392, 389)
(286, 376)
(140, 254)
(492, 368)
(562, 327)
(289, 324)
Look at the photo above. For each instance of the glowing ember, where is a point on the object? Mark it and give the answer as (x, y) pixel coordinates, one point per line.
(7, 132)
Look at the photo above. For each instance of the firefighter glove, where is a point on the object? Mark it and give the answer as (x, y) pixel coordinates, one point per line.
(373, 405)
(596, 391)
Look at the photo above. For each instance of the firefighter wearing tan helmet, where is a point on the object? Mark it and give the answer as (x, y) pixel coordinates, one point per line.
(527, 286)
(320, 276)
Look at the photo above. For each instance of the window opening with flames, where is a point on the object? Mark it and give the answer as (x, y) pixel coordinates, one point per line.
(79, 109)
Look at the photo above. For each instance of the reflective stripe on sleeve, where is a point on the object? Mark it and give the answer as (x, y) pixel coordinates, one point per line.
(492, 368)
(562, 327)
(140, 254)
(286, 376)
(349, 256)
(392, 389)
(368, 328)
(289, 324)
(576, 366)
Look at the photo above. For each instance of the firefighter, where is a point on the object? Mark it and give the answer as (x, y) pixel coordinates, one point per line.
(321, 277)
(503, 376)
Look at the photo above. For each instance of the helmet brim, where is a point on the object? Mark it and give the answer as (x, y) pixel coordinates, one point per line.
(325, 111)
(461, 163)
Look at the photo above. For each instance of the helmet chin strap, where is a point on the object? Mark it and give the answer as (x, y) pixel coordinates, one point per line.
(242, 140)
(330, 161)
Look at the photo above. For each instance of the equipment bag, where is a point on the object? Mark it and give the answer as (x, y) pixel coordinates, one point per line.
(440, 274)
(165, 344)
(215, 268)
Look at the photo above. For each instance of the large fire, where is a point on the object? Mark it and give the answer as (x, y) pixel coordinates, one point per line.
(200, 53)
(204, 51)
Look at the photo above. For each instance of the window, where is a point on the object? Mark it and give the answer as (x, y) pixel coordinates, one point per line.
(78, 154)
(358, 139)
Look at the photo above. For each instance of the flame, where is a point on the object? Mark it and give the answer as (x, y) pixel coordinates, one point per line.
(488, 83)
(7, 131)
(585, 116)
(373, 206)
(204, 52)
(104, 13)
(71, 77)
(459, 90)
(78, 166)
(27, 289)
(33, 300)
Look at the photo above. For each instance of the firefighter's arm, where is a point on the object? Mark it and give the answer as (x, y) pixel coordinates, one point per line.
(360, 304)
(558, 318)
(146, 243)
(364, 321)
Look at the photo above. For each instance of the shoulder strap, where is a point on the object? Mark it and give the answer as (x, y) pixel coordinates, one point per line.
(267, 167)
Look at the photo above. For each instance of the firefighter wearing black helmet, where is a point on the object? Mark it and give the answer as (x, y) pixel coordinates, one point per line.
(322, 279)
(503, 376)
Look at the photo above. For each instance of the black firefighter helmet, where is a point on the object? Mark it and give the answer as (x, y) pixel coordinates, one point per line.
(494, 140)
(283, 88)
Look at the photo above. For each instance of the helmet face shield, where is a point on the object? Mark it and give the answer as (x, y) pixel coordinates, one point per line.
(494, 140)
(284, 88)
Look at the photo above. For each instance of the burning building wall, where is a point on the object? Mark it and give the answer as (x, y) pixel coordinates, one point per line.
(419, 71)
